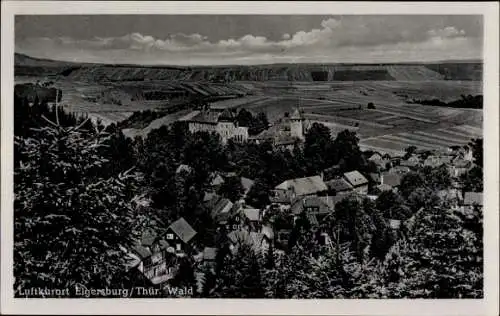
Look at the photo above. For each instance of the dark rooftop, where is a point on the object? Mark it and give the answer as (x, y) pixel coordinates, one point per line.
(182, 229)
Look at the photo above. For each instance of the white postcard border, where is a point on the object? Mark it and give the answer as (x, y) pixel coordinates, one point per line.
(486, 306)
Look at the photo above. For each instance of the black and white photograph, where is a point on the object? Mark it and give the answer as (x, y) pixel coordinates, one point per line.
(248, 156)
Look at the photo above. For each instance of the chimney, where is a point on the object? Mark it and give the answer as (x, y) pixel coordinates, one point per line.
(322, 175)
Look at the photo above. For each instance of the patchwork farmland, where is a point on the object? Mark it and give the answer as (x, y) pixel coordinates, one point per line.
(431, 139)
(391, 127)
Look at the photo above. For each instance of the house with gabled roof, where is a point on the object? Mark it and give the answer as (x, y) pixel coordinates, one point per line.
(435, 161)
(459, 166)
(411, 162)
(375, 156)
(225, 213)
(391, 179)
(314, 207)
(283, 198)
(302, 187)
(217, 181)
(357, 180)
(252, 217)
(153, 257)
(400, 169)
(179, 235)
(218, 205)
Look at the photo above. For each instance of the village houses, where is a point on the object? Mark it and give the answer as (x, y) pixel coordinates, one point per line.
(312, 198)
(156, 256)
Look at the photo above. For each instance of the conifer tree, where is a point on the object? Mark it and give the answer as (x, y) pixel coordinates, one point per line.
(70, 222)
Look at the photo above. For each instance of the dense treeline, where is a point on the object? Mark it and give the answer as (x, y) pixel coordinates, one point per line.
(466, 102)
(37, 92)
(255, 124)
(82, 192)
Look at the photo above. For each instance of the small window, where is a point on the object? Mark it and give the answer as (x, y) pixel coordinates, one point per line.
(170, 236)
(235, 226)
(178, 247)
(228, 227)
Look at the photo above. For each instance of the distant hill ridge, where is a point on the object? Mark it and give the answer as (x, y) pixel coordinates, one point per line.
(454, 70)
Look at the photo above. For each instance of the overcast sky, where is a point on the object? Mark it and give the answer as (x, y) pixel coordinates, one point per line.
(249, 39)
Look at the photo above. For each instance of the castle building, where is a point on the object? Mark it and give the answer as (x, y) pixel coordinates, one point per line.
(223, 123)
(286, 132)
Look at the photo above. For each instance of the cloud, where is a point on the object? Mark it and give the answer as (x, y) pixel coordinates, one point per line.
(340, 39)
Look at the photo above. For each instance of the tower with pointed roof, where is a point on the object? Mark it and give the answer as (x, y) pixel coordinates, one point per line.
(296, 123)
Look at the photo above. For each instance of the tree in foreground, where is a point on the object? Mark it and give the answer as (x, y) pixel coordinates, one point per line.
(441, 258)
(69, 221)
(240, 276)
